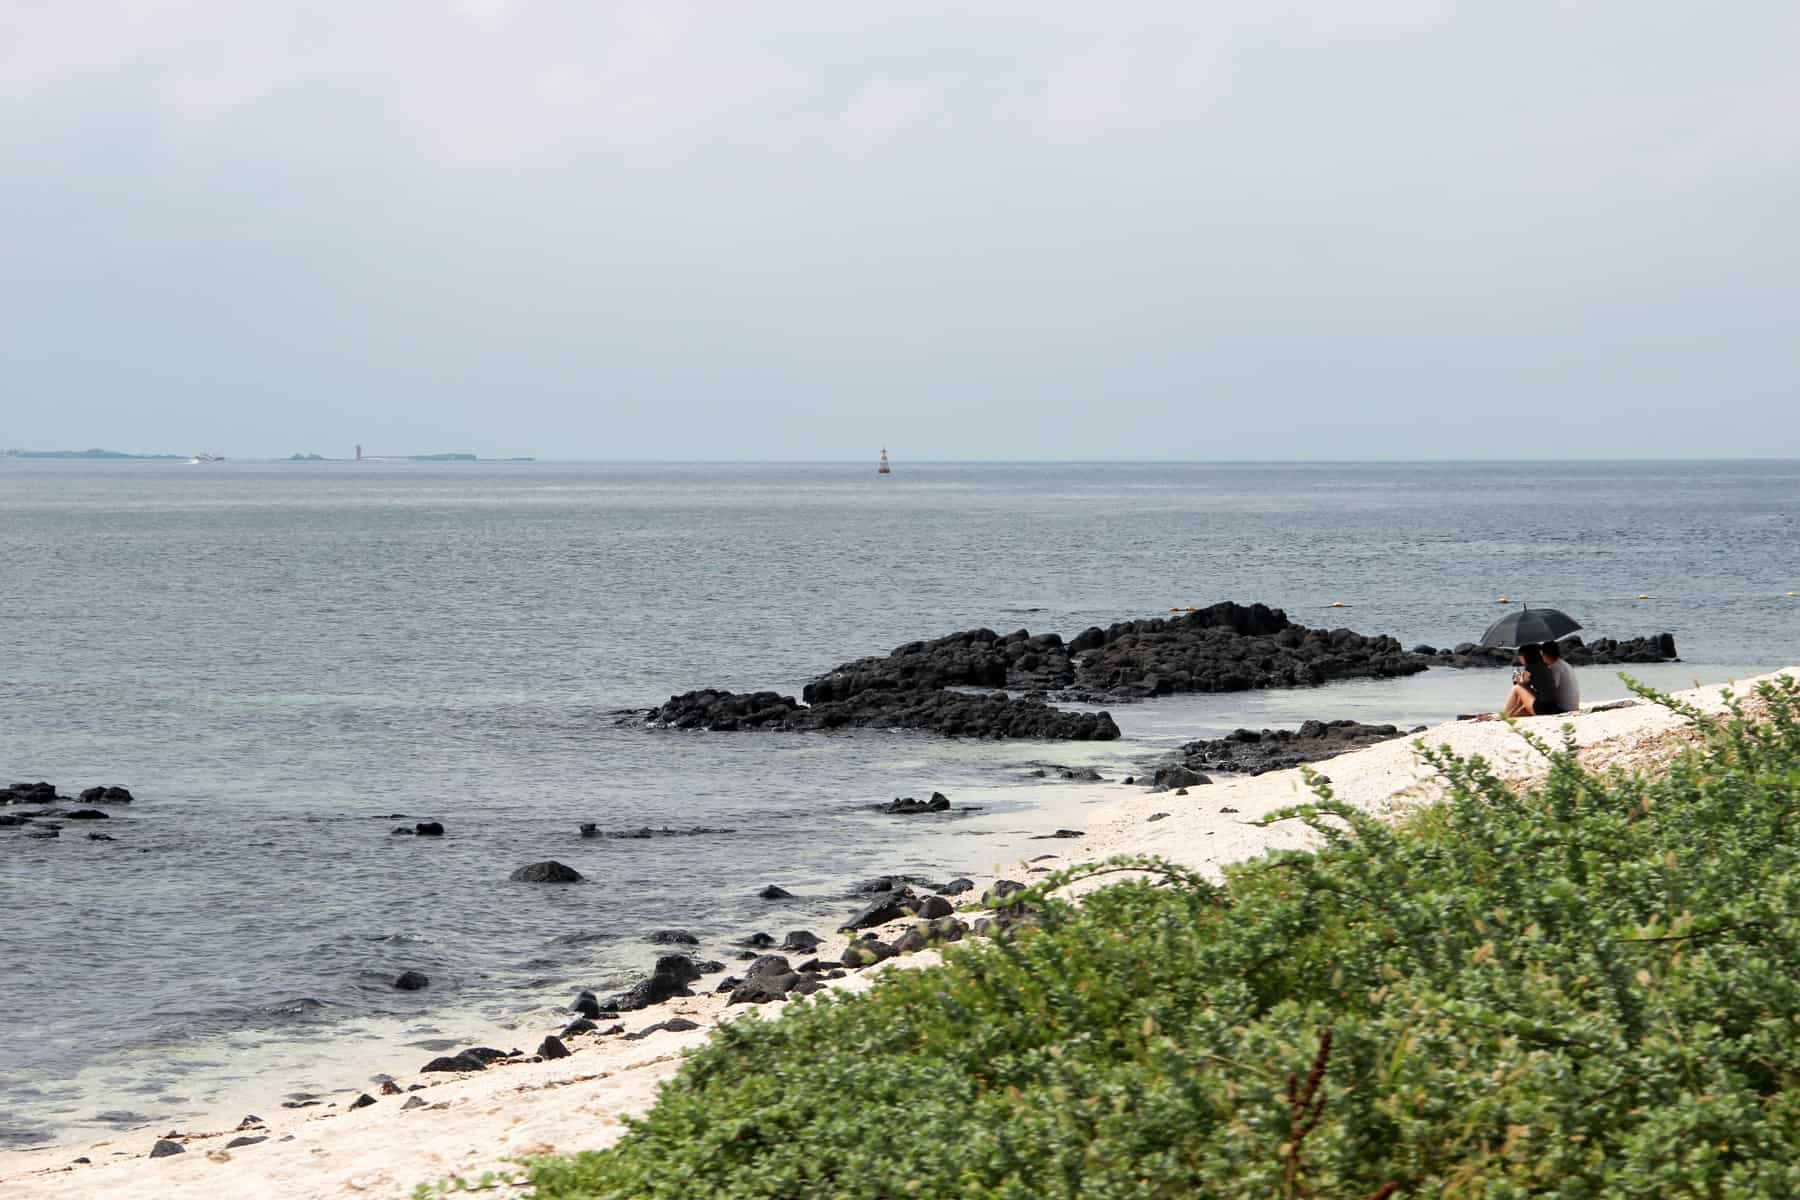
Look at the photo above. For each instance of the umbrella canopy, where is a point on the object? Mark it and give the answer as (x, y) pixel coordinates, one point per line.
(1528, 625)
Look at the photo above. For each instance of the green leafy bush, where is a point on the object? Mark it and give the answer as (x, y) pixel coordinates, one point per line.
(1587, 989)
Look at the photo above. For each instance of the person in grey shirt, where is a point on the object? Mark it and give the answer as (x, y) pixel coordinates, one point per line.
(1568, 692)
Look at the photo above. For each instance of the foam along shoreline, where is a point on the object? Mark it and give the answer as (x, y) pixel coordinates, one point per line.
(469, 1124)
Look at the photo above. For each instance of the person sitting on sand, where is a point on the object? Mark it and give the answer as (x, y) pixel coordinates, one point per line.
(1568, 692)
(1533, 691)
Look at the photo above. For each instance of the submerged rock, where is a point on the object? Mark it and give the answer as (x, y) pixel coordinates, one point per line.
(412, 981)
(673, 937)
(909, 806)
(546, 872)
(772, 892)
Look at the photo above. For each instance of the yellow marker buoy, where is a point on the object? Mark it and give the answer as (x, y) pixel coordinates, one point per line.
(1174, 610)
(1791, 593)
(1337, 604)
(1643, 595)
(1503, 600)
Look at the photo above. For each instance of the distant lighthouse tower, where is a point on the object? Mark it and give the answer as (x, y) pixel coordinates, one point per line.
(884, 469)
(359, 453)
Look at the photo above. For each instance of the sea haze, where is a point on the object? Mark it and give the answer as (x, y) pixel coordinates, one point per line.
(275, 657)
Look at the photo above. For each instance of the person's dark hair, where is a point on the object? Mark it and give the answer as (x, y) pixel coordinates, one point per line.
(1533, 654)
(1551, 650)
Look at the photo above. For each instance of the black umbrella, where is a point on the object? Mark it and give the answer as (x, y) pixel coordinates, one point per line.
(1528, 625)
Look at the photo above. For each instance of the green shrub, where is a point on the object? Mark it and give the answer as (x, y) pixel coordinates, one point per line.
(1587, 989)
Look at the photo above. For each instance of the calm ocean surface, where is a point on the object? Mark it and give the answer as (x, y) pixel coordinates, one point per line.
(275, 656)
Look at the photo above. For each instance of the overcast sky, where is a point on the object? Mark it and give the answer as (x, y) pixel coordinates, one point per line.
(580, 229)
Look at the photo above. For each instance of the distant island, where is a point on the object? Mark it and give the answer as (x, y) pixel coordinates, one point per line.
(120, 455)
(390, 458)
(108, 454)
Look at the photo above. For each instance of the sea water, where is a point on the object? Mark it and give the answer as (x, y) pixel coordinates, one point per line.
(278, 658)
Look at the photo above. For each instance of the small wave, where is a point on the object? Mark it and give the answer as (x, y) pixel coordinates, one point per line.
(582, 938)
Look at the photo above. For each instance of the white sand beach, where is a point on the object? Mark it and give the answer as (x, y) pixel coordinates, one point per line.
(473, 1123)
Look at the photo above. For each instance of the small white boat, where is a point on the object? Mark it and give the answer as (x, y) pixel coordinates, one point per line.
(204, 457)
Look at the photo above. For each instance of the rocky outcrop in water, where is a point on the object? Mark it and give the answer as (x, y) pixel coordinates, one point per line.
(1653, 648)
(954, 714)
(906, 806)
(1254, 752)
(546, 872)
(1226, 647)
(30, 793)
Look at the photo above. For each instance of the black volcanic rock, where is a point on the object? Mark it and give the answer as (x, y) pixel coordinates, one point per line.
(412, 981)
(30, 793)
(1176, 775)
(1227, 647)
(1255, 752)
(546, 872)
(1653, 648)
(672, 1025)
(670, 977)
(884, 908)
(908, 806)
(953, 714)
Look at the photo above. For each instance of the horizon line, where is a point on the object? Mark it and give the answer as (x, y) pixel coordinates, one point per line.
(528, 460)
